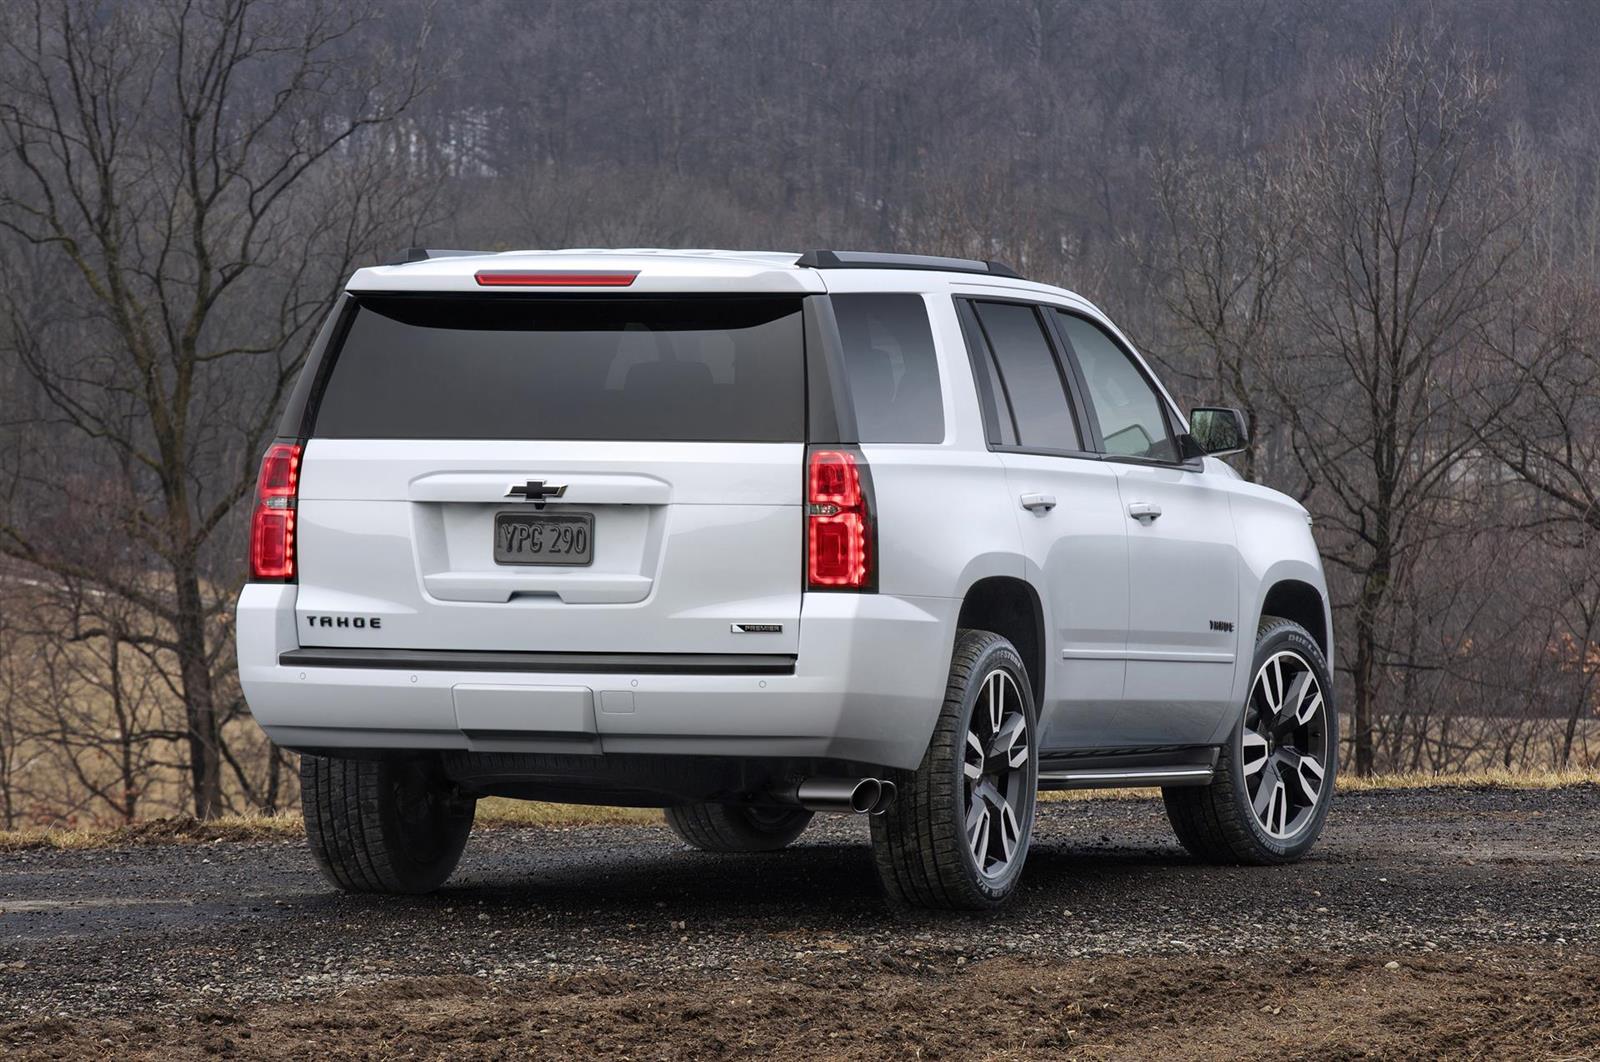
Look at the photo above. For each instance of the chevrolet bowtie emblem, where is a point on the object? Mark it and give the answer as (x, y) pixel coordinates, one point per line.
(536, 490)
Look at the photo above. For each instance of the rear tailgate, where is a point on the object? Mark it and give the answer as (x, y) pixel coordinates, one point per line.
(661, 442)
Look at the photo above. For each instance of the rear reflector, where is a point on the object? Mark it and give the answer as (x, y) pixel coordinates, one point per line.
(272, 522)
(494, 278)
(838, 523)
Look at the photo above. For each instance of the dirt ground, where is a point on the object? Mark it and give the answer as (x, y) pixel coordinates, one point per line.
(1428, 923)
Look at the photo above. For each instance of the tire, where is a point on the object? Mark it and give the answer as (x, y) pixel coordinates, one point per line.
(923, 850)
(1232, 820)
(734, 828)
(383, 826)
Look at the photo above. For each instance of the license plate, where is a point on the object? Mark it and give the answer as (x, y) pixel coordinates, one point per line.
(544, 538)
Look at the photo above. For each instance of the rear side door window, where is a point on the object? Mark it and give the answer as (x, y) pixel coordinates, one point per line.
(1032, 389)
(892, 367)
(1132, 414)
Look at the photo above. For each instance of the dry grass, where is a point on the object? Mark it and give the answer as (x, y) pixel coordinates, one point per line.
(183, 830)
(498, 812)
(1493, 777)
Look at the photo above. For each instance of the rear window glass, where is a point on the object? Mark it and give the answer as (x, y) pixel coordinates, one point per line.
(894, 375)
(508, 367)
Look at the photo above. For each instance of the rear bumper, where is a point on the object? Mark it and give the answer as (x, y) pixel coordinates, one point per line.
(866, 686)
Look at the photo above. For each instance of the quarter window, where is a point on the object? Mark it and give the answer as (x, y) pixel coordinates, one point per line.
(1030, 377)
(892, 368)
(1130, 411)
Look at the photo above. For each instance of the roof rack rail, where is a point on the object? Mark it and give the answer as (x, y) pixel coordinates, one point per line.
(422, 254)
(880, 260)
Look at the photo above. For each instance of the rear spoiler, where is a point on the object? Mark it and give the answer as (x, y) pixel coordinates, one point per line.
(422, 254)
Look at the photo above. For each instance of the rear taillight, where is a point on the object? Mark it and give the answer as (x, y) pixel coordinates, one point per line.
(272, 523)
(839, 533)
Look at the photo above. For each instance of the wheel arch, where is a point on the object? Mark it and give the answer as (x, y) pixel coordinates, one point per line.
(1300, 601)
(1010, 607)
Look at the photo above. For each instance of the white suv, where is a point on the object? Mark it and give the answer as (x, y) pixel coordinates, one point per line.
(750, 536)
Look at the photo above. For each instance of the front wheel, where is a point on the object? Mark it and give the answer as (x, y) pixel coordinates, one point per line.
(958, 834)
(1274, 780)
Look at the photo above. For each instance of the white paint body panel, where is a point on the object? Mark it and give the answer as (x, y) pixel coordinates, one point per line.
(1077, 555)
(1183, 575)
(868, 684)
(690, 538)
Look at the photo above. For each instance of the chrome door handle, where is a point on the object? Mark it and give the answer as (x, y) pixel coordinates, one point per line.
(1038, 503)
(1144, 512)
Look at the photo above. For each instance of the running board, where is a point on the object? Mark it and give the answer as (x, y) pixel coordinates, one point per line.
(1130, 777)
(1110, 768)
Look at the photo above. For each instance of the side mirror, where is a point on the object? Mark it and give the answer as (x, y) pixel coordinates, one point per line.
(1218, 431)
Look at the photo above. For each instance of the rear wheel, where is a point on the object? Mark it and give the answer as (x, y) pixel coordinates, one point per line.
(391, 826)
(737, 828)
(958, 834)
(1274, 781)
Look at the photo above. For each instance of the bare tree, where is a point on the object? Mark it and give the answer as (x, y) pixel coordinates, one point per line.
(1228, 238)
(188, 183)
(1547, 351)
(100, 708)
(1546, 435)
(16, 696)
(1410, 222)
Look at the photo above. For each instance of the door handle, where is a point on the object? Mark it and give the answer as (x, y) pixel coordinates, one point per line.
(1144, 512)
(1038, 503)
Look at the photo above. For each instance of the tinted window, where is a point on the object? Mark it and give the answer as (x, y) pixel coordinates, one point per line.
(889, 359)
(1029, 376)
(1132, 423)
(998, 426)
(504, 367)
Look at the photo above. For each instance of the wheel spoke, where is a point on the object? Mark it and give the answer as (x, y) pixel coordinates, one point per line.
(996, 701)
(1010, 744)
(1295, 696)
(1300, 706)
(1267, 796)
(986, 793)
(972, 770)
(1309, 709)
(1010, 831)
(978, 832)
(1255, 753)
(1308, 773)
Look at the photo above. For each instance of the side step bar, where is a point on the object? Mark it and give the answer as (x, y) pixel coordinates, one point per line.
(1130, 767)
(1132, 777)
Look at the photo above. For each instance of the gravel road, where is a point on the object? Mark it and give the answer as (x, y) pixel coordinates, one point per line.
(1440, 881)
